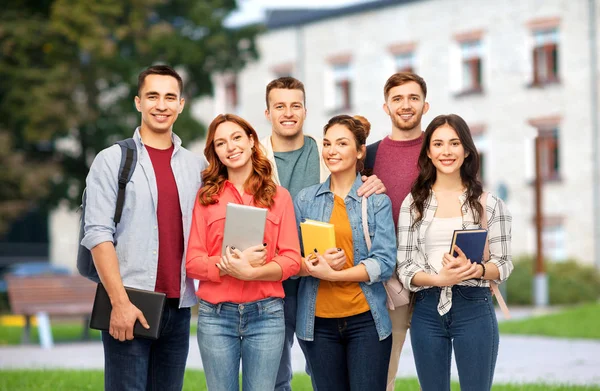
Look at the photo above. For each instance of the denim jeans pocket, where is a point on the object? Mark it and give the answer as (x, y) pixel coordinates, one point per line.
(474, 293)
(273, 307)
(205, 308)
(420, 295)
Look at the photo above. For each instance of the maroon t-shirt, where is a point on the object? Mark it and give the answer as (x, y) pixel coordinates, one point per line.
(396, 166)
(170, 225)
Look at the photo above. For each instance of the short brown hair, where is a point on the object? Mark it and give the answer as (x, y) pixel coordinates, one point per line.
(163, 70)
(285, 83)
(397, 79)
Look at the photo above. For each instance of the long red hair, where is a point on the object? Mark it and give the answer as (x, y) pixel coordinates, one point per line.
(260, 183)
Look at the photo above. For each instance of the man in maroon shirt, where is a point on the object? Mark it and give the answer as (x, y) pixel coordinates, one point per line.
(147, 249)
(394, 161)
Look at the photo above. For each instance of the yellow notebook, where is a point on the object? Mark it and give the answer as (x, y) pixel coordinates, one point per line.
(317, 234)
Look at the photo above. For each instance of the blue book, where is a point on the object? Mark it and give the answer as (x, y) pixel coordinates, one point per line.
(471, 242)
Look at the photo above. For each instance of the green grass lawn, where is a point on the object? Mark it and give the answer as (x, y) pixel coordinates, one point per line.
(61, 332)
(575, 322)
(194, 381)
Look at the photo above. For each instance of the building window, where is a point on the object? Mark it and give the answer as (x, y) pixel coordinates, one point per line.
(545, 56)
(404, 62)
(471, 54)
(342, 86)
(549, 154)
(231, 94)
(554, 239)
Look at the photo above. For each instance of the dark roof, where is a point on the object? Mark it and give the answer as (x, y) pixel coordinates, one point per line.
(282, 18)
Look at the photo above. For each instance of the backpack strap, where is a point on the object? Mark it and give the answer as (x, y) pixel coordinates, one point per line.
(365, 223)
(371, 155)
(486, 255)
(126, 169)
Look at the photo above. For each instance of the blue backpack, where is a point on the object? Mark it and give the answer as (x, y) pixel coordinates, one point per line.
(85, 263)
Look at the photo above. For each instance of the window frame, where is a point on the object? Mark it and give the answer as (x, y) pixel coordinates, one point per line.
(548, 53)
(473, 62)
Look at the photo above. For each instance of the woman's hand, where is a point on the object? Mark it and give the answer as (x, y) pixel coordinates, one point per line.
(336, 258)
(461, 259)
(256, 255)
(454, 272)
(317, 267)
(235, 263)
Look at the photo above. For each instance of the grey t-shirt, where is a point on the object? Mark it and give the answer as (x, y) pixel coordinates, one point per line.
(300, 168)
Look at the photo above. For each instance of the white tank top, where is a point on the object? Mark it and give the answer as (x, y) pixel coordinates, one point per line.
(438, 239)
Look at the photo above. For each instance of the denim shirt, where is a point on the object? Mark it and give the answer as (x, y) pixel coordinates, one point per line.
(316, 203)
(136, 236)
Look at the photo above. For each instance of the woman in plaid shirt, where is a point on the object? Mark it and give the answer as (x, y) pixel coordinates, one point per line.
(453, 303)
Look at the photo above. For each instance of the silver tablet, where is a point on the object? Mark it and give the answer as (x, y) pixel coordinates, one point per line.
(244, 226)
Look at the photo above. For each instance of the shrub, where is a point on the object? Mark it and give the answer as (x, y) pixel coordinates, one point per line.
(569, 282)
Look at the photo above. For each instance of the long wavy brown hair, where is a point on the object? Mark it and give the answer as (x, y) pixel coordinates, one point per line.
(260, 183)
(469, 171)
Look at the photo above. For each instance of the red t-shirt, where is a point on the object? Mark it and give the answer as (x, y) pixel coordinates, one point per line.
(170, 224)
(396, 166)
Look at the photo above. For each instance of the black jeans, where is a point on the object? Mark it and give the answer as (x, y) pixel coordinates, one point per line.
(346, 354)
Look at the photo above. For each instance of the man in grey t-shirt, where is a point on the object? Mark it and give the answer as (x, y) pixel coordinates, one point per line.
(297, 163)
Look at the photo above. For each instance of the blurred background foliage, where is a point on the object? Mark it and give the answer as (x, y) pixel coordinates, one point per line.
(569, 282)
(68, 71)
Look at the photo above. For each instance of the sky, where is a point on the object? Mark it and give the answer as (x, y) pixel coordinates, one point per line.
(250, 11)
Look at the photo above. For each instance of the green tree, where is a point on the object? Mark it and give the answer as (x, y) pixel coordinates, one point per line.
(68, 71)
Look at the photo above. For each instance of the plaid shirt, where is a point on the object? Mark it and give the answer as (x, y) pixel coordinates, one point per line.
(411, 243)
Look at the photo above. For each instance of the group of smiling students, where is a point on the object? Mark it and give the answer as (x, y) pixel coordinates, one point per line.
(342, 324)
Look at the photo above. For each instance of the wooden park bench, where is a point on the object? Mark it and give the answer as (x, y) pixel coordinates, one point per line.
(49, 295)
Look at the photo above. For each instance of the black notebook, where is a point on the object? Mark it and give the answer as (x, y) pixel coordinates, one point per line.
(150, 303)
(471, 242)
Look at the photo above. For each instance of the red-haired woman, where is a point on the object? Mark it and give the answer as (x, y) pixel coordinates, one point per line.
(241, 307)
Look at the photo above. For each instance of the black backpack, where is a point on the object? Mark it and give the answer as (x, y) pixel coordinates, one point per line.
(85, 263)
(370, 158)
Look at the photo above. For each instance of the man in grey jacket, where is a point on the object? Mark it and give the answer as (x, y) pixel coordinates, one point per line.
(147, 249)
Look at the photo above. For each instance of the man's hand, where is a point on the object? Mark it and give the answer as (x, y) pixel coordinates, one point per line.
(235, 263)
(371, 185)
(335, 257)
(122, 320)
(256, 255)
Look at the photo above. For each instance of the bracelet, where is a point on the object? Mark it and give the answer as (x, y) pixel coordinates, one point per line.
(482, 274)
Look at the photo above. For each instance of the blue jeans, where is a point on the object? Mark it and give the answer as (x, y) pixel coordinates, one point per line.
(144, 364)
(346, 354)
(251, 331)
(470, 327)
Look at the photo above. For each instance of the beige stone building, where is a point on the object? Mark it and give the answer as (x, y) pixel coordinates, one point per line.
(511, 68)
